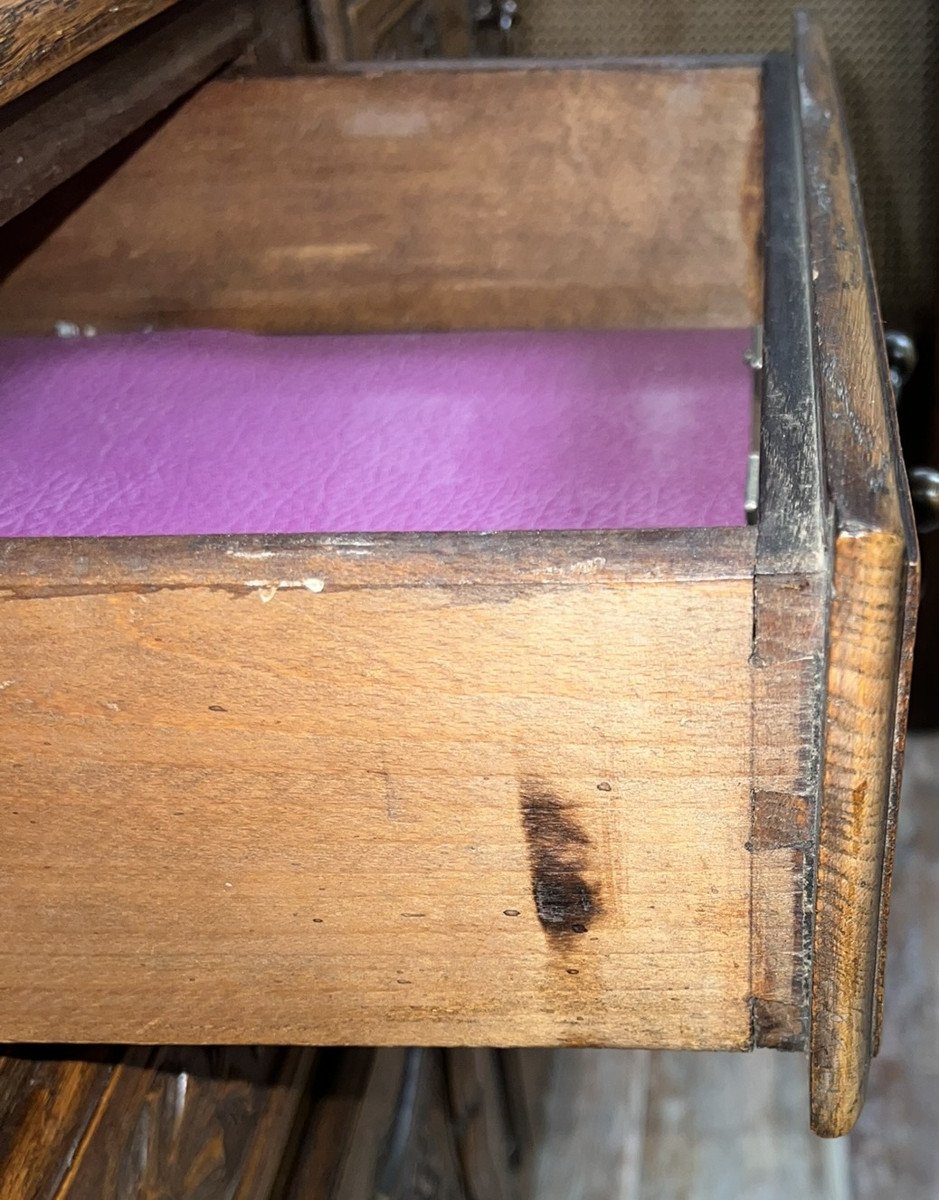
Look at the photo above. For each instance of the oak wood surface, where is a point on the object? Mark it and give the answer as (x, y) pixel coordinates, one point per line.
(872, 599)
(38, 38)
(355, 809)
(56, 129)
(408, 200)
(151, 1122)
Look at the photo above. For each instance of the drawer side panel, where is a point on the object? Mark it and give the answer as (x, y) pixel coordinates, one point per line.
(295, 811)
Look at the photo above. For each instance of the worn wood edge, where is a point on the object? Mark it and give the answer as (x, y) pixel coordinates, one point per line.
(911, 596)
(867, 585)
(792, 503)
(787, 664)
(874, 538)
(61, 566)
(41, 37)
(59, 127)
(424, 66)
(789, 593)
(859, 429)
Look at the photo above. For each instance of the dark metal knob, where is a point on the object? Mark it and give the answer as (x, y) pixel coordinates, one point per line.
(924, 490)
(901, 354)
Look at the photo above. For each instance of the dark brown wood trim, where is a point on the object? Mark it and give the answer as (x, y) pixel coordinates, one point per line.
(611, 63)
(56, 129)
(792, 504)
(873, 584)
(56, 566)
(789, 592)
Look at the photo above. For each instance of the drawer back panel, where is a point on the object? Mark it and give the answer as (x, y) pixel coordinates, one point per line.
(434, 199)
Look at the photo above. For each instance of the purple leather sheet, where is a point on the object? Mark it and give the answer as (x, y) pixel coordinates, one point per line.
(206, 432)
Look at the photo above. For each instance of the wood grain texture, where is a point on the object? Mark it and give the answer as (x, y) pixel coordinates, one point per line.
(38, 38)
(191, 1124)
(355, 809)
(48, 1102)
(873, 588)
(55, 130)
(788, 667)
(789, 596)
(381, 202)
(909, 617)
(859, 724)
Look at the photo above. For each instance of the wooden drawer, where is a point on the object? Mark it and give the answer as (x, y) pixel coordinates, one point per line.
(634, 787)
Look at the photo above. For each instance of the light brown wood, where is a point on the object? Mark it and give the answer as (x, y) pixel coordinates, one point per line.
(324, 806)
(860, 708)
(873, 591)
(38, 38)
(434, 199)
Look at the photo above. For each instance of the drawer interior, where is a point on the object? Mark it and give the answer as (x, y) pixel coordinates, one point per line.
(551, 276)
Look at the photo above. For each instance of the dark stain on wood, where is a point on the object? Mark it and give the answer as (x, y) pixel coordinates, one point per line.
(558, 850)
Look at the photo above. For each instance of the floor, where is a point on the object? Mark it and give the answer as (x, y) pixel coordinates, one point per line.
(670, 1126)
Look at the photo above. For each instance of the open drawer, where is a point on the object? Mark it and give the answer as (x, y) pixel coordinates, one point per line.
(436, 689)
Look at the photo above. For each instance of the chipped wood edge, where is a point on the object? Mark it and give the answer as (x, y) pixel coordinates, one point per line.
(873, 585)
(41, 567)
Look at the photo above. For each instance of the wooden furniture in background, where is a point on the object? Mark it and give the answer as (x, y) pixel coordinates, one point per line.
(267, 1123)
